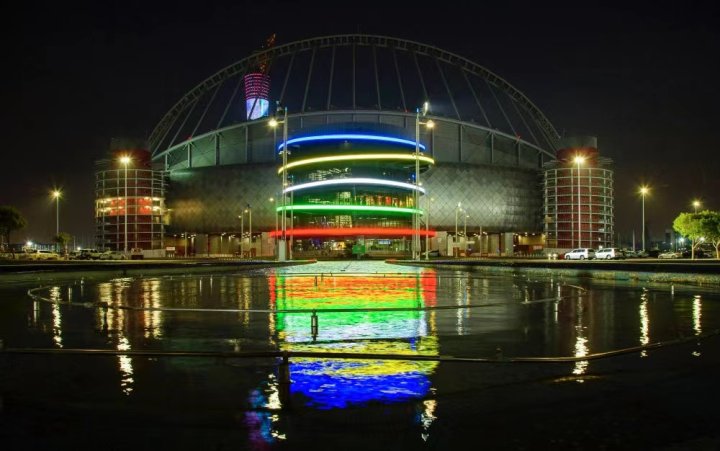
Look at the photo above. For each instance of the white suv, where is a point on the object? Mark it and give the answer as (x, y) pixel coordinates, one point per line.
(609, 253)
(580, 254)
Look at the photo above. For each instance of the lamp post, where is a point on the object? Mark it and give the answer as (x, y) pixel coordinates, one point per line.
(427, 228)
(56, 194)
(696, 204)
(248, 210)
(125, 161)
(457, 209)
(242, 235)
(643, 191)
(272, 206)
(579, 160)
(283, 222)
(416, 193)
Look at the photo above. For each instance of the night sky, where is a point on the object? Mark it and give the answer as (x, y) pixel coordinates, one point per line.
(642, 77)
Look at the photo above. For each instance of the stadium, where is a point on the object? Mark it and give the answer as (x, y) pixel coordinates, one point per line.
(359, 144)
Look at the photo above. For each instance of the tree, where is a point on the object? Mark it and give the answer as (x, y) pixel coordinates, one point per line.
(710, 223)
(700, 227)
(10, 220)
(62, 239)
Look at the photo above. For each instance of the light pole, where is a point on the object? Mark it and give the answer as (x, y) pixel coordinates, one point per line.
(457, 209)
(643, 191)
(282, 247)
(125, 161)
(248, 210)
(427, 228)
(275, 241)
(56, 195)
(242, 235)
(579, 160)
(696, 204)
(416, 193)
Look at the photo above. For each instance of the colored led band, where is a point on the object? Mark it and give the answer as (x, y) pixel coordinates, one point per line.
(351, 231)
(325, 207)
(354, 181)
(362, 156)
(351, 136)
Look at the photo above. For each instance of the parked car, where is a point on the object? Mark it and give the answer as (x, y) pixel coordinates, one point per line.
(433, 253)
(609, 253)
(629, 253)
(580, 254)
(34, 254)
(88, 254)
(699, 253)
(642, 254)
(670, 254)
(112, 255)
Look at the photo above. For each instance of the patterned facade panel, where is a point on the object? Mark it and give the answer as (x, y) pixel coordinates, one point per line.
(505, 152)
(178, 158)
(446, 146)
(475, 146)
(203, 152)
(528, 157)
(232, 146)
(209, 200)
(260, 142)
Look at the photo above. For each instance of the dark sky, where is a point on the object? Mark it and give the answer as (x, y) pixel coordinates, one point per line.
(642, 77)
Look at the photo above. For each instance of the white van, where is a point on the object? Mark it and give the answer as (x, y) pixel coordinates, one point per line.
(583, 253)
(609, 253)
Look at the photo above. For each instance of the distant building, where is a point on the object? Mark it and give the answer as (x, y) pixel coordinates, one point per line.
(129, 200)
(578, 196)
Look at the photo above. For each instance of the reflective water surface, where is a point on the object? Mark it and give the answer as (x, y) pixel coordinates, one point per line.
(351, 307)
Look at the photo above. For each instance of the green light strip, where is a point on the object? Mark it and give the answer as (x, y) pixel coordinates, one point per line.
(324, 207)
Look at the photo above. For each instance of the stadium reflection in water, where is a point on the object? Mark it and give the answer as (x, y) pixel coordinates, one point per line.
(368, 309)
(366, 326)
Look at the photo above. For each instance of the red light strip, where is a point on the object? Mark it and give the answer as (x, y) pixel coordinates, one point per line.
(351, 231)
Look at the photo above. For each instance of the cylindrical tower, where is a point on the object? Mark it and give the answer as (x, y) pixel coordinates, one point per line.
(129, 202)
(578, 192)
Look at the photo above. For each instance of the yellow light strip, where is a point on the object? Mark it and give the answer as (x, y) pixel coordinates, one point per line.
(362, 156)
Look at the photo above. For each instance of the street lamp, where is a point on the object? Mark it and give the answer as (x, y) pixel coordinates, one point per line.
(579, 160)
(242, 235)
(427, 228)
(56, 194)
(274, 123)
(125, 161)
(248, 210)
(696, 204)
(416, 193)
(275, 241)
(643, 191)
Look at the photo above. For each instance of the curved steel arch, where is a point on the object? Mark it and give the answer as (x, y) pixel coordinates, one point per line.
(158, 133)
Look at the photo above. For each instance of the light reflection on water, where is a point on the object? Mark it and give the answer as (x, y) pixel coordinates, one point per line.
(477, 314)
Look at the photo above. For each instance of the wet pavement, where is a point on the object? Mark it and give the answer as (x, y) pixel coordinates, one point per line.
(654, 398)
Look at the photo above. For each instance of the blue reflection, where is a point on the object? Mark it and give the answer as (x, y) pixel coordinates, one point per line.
(325, 390)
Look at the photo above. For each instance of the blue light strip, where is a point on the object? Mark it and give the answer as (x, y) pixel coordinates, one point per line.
(352, 136)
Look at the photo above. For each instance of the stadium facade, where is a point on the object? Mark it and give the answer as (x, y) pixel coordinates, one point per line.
(360, 171)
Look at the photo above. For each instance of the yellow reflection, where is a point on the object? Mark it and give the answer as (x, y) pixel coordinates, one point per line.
(153, 317)
(644, 323)
(427, 417)
(126, 368)
(581, 350)
(55, 297)
(581, 343)
(697, 314)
